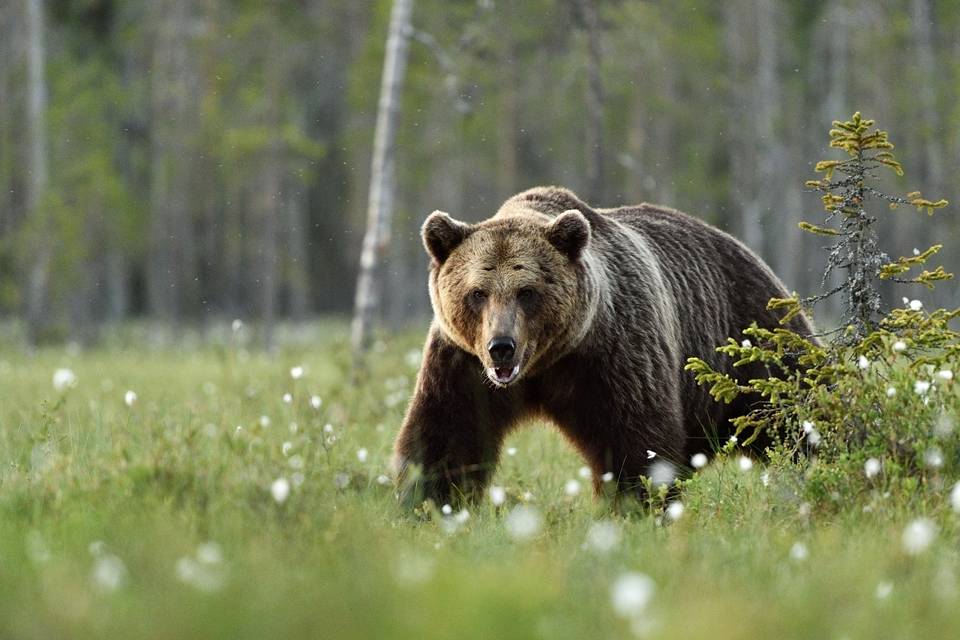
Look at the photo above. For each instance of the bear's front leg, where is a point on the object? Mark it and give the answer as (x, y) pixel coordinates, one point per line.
(450, 441)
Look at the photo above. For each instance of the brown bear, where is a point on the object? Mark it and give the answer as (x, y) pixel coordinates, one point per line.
(583, 317)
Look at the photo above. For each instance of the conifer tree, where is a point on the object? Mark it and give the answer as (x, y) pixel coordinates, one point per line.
(848, 221)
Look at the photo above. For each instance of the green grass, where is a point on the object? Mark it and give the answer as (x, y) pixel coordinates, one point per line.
(88, 482)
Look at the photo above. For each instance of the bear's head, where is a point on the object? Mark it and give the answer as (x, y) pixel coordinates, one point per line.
(510, 290)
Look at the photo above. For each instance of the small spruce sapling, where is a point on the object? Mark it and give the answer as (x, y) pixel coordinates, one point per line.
(842, 391)
(855, 245)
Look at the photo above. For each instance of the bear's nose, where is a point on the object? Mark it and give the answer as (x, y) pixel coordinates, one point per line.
(501, 349)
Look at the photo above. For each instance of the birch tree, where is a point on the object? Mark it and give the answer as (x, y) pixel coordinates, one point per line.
(376, 239)
(595, 151)
(39, 270)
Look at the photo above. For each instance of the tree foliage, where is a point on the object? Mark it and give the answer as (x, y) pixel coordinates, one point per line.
(884, 384)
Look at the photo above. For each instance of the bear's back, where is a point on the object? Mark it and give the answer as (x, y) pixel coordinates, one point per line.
(718, 287)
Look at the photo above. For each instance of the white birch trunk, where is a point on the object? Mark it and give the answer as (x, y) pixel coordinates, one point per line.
(39, 270)
(594, 102)
(376, 240)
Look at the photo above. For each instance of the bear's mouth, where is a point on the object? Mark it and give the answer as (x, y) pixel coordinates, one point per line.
(503, 376)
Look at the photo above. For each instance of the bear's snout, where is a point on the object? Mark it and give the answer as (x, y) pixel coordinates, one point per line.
(502, 350)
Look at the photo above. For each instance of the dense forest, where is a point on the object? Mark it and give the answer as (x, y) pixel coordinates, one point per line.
(192, 161)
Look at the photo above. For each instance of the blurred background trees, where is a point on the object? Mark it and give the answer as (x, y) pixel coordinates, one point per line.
(191, 161)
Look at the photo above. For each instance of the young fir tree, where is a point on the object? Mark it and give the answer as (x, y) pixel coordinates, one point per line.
(856, 248)
(835, 398)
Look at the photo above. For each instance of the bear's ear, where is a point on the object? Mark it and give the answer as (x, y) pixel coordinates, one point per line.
(569, 233)
(442, 234)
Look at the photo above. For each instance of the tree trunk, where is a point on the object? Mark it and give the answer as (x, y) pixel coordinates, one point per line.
(927, 74)
(172, 264)
(376, 240)
(297, 282)
(594, 103)
(270, 205)
(771, 182)
(508, 123)
(39, 269)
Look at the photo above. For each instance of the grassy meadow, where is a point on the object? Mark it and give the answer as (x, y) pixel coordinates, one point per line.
(213, 505)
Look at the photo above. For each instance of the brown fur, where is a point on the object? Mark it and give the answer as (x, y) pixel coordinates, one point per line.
(604, 306)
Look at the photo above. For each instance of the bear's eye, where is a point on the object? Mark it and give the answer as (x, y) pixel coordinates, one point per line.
(478, 295)
(525, 294)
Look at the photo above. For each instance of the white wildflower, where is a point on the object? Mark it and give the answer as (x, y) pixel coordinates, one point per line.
(916, 305)
(296, 372)
(264, 421)
(511, 451)
(383, 479)
(863, 363)
(871, 467)
(413, 569)
(919, 535)
(316, 402)
(603, 536)
(899, 345)
(237, 325)
(607, 477)
(955, 498)
(813, 438)
(799, 552)
(572, 487)
(498, 495)
(651, 454)
(64, 379)
(920, 387)
(891, 391)
(746, 344)
(944, 426)
(200, 573)
(362, 454)
(675, 510)
(765, 478)
(584, 473)
(662, 473)
(933, 458)
(631, 594)
(109, 573)
(733, 439)
(341, 480)
(945, 374)
(287, 398)
(446, 509)
(210, 553)
(328, 428)
(807, 426)
(286, 448)
(745, 463)
(523, 522)
(884, 589)
(280, 490)
(129, 398)
(698, 461)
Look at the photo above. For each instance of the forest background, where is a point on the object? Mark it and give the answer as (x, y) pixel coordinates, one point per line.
(204, 160)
